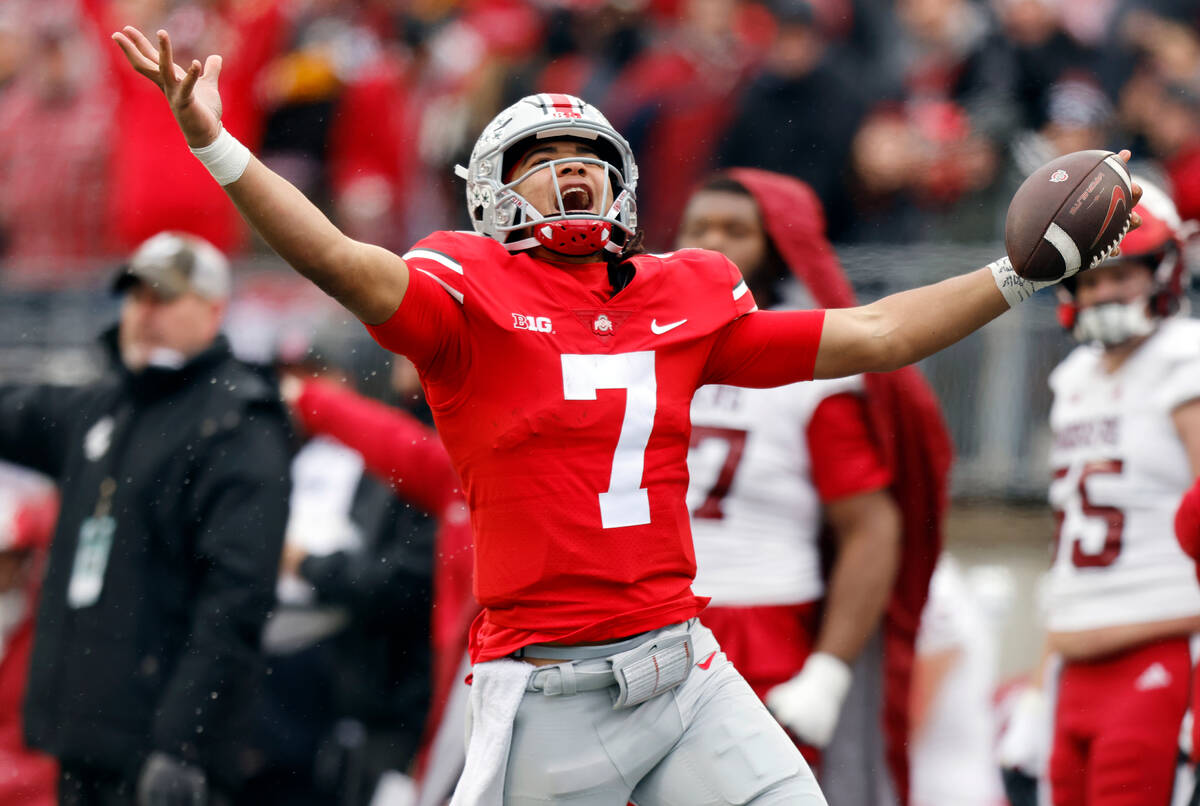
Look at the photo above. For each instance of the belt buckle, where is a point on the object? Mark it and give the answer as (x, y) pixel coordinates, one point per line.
(655, 667)
(562, 684)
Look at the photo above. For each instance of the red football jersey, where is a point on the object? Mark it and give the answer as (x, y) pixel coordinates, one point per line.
(566, 414)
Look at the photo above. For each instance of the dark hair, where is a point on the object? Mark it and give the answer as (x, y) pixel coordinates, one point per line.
(620, 265)
(764, 283)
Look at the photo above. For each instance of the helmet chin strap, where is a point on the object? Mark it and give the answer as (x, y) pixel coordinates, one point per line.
(1114, 323)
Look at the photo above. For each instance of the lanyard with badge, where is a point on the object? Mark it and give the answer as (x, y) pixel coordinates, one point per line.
(91, 555)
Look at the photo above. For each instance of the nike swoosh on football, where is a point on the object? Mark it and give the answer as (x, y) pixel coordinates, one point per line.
(658, 329)
(704, 664)
(1118, 197)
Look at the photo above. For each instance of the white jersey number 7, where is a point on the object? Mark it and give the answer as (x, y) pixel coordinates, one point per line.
(625, 502)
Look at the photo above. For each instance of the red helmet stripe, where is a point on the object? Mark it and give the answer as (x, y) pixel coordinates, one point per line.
(563, 103)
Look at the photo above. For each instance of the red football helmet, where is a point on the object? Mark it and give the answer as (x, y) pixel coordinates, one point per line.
(1159, 243)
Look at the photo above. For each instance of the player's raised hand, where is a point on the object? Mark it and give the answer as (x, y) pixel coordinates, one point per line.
(192, 93)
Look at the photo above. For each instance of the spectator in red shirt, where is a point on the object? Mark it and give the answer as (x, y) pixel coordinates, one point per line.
(145, 153)
(56, 138)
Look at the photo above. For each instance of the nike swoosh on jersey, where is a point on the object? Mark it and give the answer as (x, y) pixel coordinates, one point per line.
(704, 664)
(658, 329)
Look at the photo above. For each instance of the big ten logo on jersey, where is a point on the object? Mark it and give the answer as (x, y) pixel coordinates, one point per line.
(721, 398)
(538, 324)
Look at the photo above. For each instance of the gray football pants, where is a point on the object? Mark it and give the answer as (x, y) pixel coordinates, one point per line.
(708, 741)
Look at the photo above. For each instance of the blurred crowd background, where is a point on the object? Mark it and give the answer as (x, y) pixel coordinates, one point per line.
(914, 121)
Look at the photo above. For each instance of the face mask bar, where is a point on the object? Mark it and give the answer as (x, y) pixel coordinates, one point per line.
(527, 216)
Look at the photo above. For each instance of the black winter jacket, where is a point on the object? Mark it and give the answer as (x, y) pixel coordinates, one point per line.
(188, 471)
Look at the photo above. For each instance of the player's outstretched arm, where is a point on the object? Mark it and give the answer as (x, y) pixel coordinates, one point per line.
(368, 280)
(903, 328)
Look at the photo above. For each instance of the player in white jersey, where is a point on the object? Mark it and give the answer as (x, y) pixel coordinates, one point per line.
(1122, 597)
(772, 471)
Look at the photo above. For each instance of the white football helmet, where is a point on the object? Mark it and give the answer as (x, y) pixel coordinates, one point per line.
(1159, 243)
(498, 211)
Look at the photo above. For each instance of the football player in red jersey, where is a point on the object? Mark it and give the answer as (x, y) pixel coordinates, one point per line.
(1121, 600)
(560, 379)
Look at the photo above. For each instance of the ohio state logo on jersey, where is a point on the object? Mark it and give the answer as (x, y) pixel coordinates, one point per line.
(538, 324)
(602, 323)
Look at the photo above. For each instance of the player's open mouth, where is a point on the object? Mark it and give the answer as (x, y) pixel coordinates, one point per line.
(576, 199)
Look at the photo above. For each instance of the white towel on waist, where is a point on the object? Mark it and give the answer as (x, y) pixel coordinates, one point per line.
(497, 687)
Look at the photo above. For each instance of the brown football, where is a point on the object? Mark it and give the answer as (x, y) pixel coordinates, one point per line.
(1068, 214)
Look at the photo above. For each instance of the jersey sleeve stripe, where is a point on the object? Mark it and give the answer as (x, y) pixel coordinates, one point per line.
(436, 257)
(449, 289)
(740, 290)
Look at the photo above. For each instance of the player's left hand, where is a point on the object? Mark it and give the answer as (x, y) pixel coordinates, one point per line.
(808, 705)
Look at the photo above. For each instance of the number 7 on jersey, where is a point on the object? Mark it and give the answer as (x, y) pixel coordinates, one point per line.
(625, 502)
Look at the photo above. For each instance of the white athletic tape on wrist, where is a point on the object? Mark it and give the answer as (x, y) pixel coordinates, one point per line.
(225, 158)
(1015, 288)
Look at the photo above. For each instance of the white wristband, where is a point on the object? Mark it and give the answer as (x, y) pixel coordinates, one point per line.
(225, 158)
(1014, 287)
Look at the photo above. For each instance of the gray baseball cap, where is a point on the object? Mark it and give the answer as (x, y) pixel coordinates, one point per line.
(173, 263)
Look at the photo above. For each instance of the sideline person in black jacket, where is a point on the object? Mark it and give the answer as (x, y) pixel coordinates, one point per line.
(174, 477)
